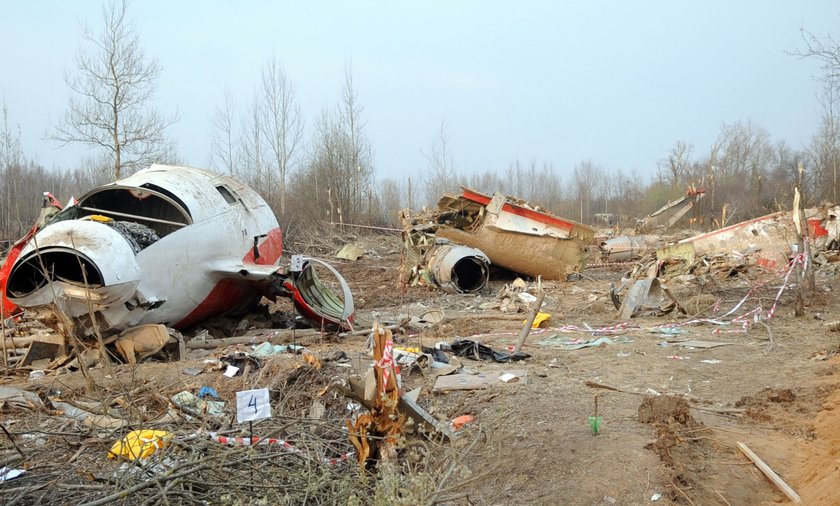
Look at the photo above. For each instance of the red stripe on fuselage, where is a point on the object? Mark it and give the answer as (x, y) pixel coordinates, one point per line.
(230, 294)
(521, 211)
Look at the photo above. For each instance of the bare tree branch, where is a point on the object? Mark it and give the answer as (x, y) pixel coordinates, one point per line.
(112, 85)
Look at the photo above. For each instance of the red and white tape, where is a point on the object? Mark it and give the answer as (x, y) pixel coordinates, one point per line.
(246, 441)
(742, 322)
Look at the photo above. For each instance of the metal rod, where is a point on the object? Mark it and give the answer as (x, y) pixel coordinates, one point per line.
(136, 217)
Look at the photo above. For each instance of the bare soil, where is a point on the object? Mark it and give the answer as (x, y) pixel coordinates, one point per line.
(775, 390)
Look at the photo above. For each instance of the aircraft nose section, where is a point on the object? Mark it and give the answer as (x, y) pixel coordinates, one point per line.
(77, 263)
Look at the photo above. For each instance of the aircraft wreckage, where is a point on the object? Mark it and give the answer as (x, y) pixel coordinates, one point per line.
(168, 245)
(453, 246)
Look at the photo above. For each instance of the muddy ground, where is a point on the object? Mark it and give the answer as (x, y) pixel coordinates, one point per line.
(671, 415)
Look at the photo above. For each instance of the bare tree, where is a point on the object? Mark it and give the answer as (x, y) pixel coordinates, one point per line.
(11, 160)
(360, 149)
(225, 140)
(673, 169)
(584, 181)
(112, 87)
(827, 52)
(825, 147)
(282, 124)
(441, 167)
(339, 172)
(252, 166)
(390, 201)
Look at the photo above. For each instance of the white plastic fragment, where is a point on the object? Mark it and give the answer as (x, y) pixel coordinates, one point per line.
(7, 473)
(509, 377)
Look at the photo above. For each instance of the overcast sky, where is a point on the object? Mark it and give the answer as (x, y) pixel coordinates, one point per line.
(615, 82)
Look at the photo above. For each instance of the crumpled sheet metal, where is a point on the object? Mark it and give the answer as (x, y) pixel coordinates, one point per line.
(644, 294)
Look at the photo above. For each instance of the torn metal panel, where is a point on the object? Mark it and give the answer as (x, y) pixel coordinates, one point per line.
(683, 251)
(772, 235)
(669, 214)
(312, 298)
(514, 235)
(171, 245)
(644, 295)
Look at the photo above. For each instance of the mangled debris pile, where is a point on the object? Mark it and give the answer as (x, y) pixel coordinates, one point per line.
(453, 246)
(155, 443)
(160, 441)
(633, 247)
(769, 243)
(379, 435)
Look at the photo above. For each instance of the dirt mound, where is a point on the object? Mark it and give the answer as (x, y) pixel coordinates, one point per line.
(768, 395)
(675, 444)
(665, 409)
(770, 405)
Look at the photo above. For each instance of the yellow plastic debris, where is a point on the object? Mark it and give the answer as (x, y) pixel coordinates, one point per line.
(540, 318)
(409, 349)
(139, 444)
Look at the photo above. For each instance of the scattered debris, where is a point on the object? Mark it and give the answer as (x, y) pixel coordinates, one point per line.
(508, 377)
(700, 344)
(350, 252)
(478, 381)
(267, 349)
(460, 422)
(145, 340)
(644, 297)
(573, 343)
(477, 351)
(192, 405)
(7, 474)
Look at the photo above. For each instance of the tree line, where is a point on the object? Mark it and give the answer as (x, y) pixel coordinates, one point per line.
(325, 173)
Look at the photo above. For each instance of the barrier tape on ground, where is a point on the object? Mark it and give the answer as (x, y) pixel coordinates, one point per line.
(246, 441)
(743, 321)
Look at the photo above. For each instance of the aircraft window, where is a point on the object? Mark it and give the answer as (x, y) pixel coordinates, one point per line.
(228, 196)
